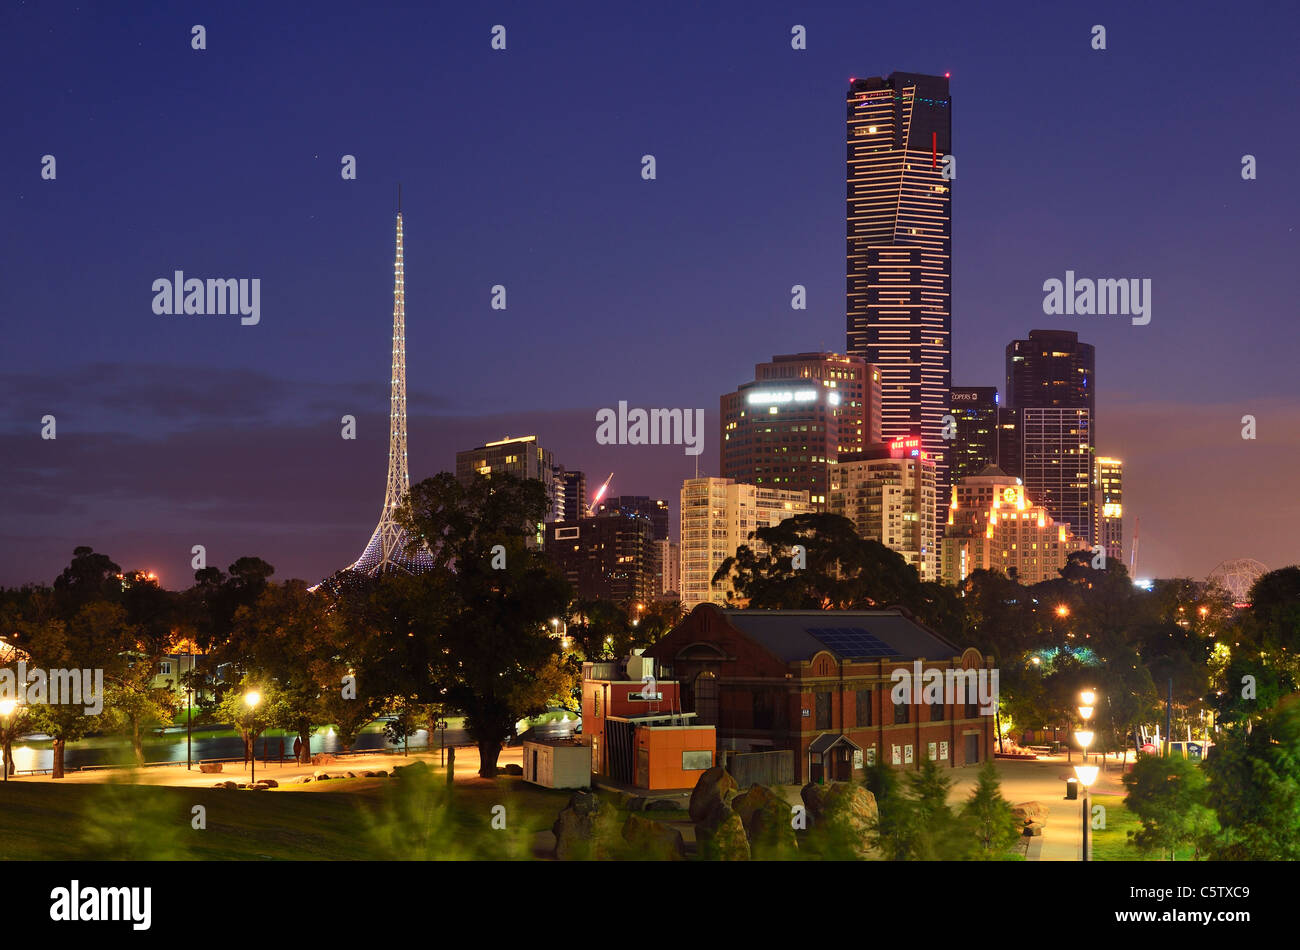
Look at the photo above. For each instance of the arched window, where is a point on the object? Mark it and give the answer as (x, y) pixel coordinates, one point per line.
(706, 699)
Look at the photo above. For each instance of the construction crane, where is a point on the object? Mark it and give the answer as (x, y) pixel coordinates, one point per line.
(600, 493)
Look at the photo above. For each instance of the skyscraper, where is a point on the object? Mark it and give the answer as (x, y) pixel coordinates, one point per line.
(899, 247)
(572, 487)
(387, 548)
(1050, 384)
(975, 447)
(888, 494)
(787, 428)
(1110, 507)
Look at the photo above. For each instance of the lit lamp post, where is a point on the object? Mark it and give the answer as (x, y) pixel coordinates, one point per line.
(1087, 774)
(252, 698)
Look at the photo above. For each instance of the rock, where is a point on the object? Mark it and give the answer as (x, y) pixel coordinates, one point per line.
(721, 835)
(842, 816)
(259, 787)
(268, 782)
(380, 773)
(766, 817)
(323, 758)
(1033, 829)
(369, 773)
(586, 829)
(321, 776)
(209, 767)
(226, 784)
(304, 780)
(418, 767)
(1030, 811)
(663, 804)
(351, 774)
(512, 769)
(653, 840)
(710, 789)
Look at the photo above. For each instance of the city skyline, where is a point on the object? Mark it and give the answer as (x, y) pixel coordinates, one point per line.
(180, 430)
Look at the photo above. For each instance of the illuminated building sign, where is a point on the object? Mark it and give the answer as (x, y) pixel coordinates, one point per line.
(907, 447)
(771, 397)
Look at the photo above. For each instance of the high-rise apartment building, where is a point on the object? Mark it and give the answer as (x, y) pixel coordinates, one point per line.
(522, 457)
(888, 492)
(1109, 479)
(1050, 382)
(670, 558)
(787, 428)
(993, 525)
(899, 249)
(718, 516)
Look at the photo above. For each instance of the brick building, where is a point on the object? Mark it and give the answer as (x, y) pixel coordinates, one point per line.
(818, 683)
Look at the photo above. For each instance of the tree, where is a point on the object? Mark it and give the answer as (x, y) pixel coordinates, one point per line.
(1168, 795)
(131, 704)
(1255, 787)
(937, 834)
(995, 826)
(481, 617)
(250, 720)
(842, 571)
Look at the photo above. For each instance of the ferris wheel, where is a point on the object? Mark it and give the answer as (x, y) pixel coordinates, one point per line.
(1238, 576)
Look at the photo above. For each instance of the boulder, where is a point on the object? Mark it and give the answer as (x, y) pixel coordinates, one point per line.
(1033, 829)
(226, 784)
(586, 828)
(766, 817)
(710, 789)
(653, 840)
(369, 773)
(380, 773)
(418, 767)
(323, 758)
(663, 804)
(720, 835)
(321, 776)
(351, 774)
(209, 767)
(304, 780)
(842, 816)
(268, 782)
(1030, 811)
(512, 769)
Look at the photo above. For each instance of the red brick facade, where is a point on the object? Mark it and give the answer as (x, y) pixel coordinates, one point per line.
(760, 702)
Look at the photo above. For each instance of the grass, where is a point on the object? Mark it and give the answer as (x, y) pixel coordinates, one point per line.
(1112, 842)
(339, 820)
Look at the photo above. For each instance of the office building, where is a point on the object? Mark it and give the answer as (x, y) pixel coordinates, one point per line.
(787, 428)
(1050, 381)
(899, 251)
(718, 515)
(610, 556)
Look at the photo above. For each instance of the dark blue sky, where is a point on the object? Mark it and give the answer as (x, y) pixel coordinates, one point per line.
(522, 168)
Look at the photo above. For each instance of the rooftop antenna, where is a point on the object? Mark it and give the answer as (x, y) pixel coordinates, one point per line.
(399, 197)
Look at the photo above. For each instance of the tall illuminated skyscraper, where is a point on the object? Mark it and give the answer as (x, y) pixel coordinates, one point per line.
(899, 247)
(1050, 384)
(387, 549)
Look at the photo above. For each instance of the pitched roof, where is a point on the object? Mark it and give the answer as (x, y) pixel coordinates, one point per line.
(848, 634)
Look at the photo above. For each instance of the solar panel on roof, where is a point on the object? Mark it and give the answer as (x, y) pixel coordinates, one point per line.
(852, 641)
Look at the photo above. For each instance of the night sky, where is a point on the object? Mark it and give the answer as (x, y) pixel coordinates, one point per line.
(523, 168)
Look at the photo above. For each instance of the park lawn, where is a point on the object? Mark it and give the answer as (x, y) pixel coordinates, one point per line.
(1112, 843)
(329, 821)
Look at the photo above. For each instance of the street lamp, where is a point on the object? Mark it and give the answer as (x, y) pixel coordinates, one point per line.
(1087, 774)
(252, 698)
